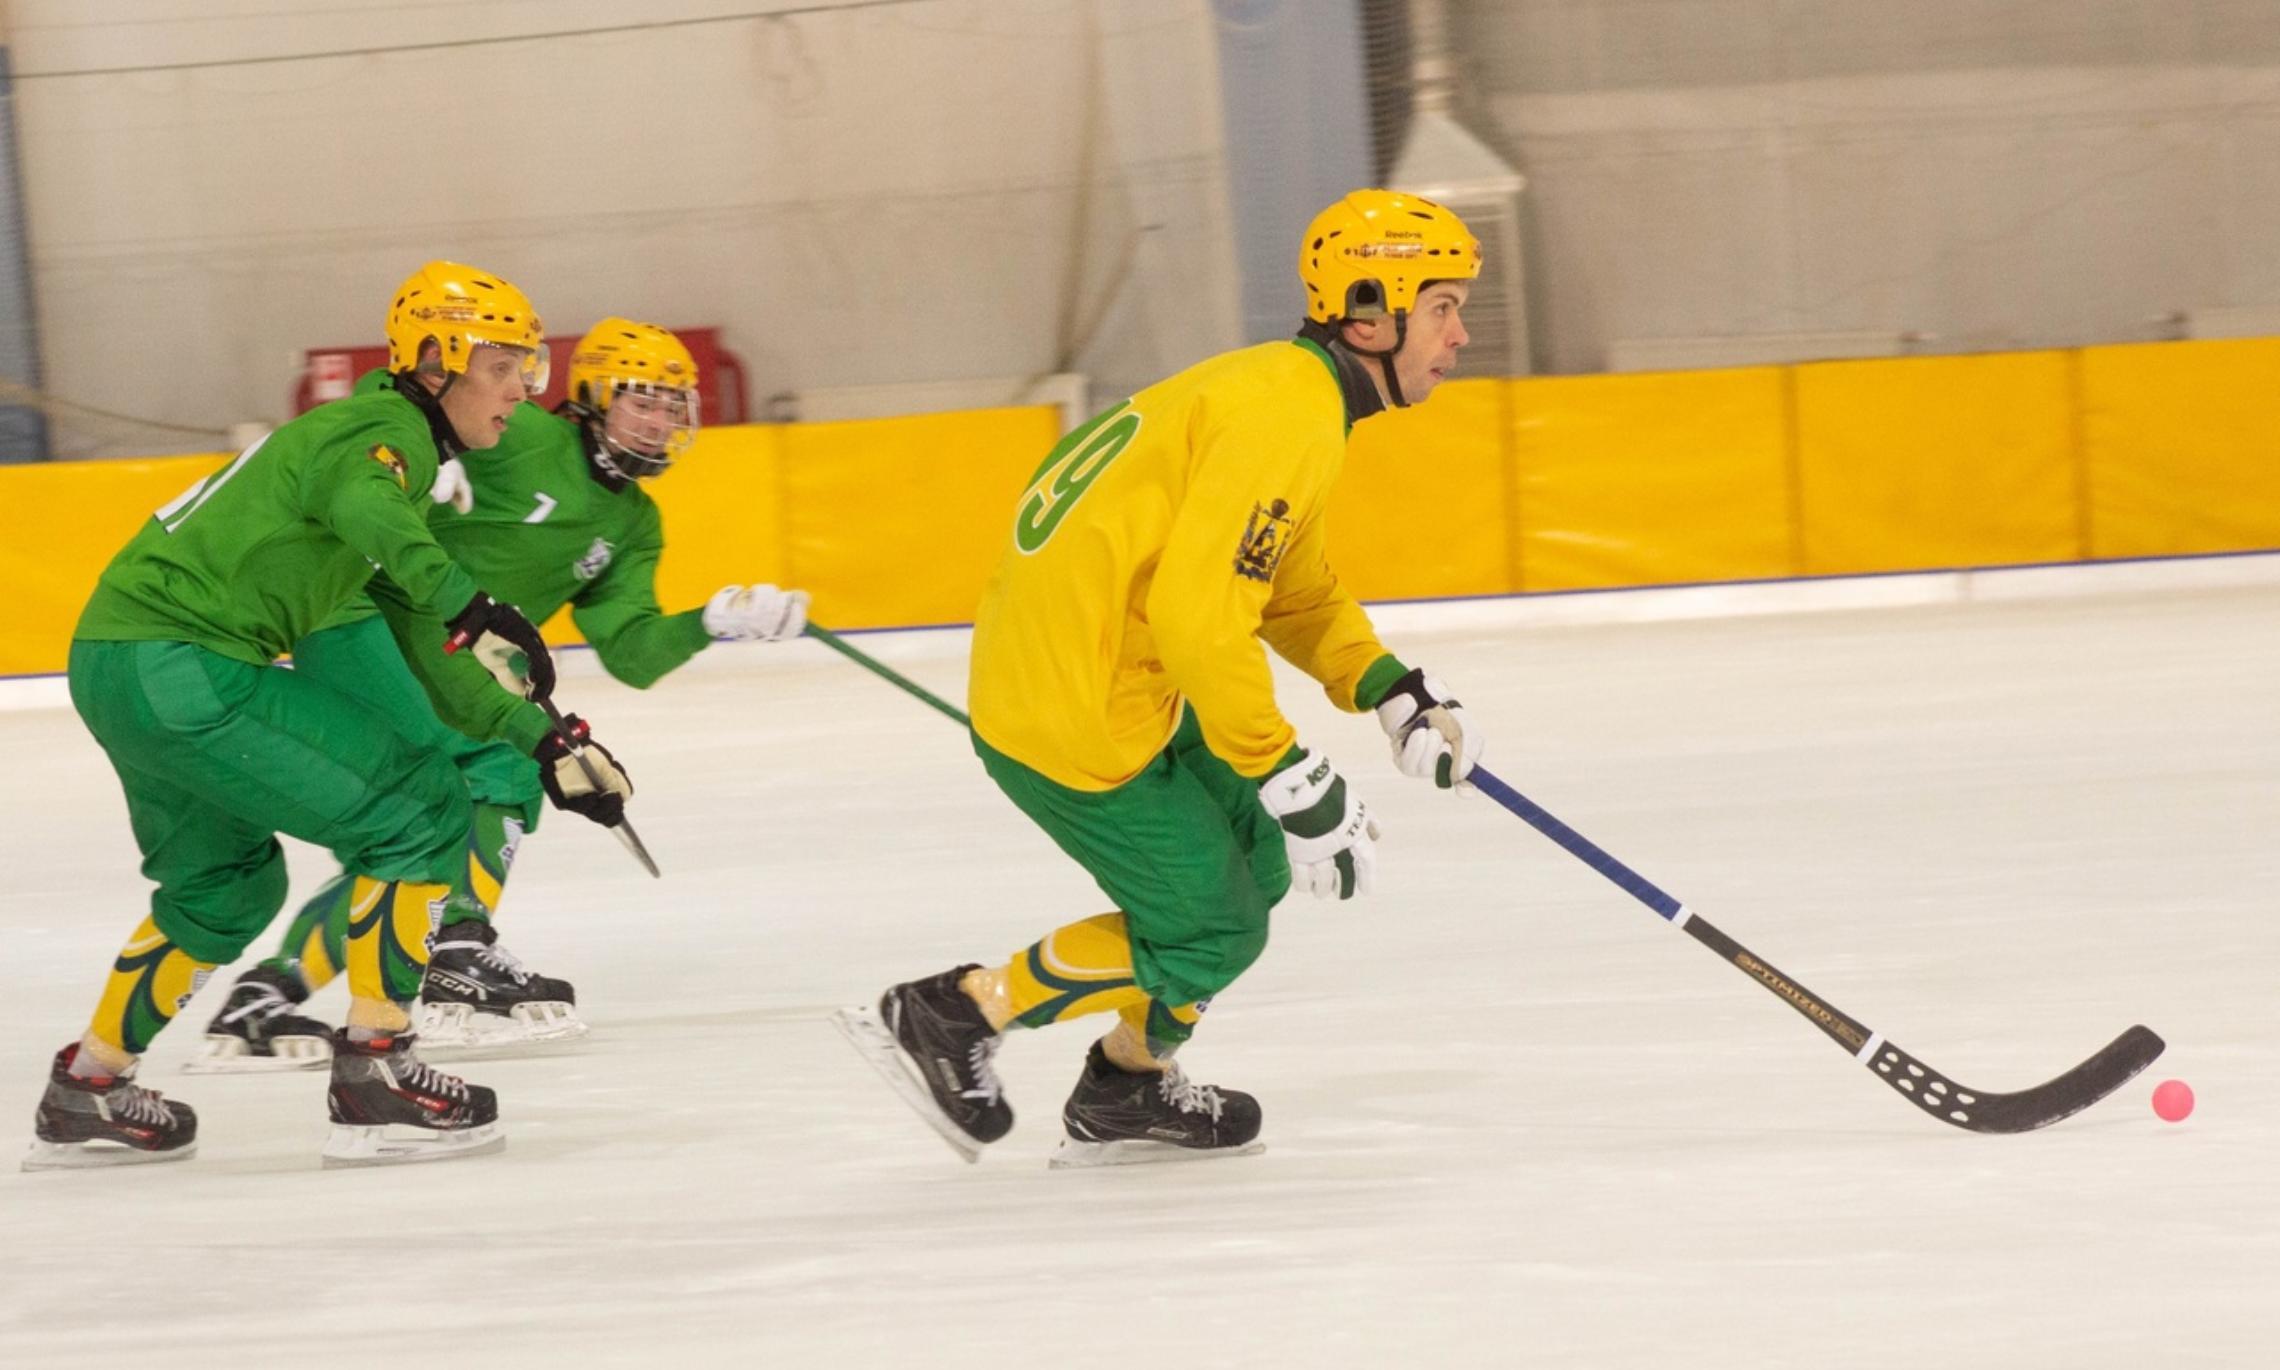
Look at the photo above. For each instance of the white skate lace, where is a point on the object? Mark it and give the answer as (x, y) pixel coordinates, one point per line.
(425, 1077)
(493, 955)
(1186, 1095)
(139, 1105)
(267, 1003)
(987, 1086)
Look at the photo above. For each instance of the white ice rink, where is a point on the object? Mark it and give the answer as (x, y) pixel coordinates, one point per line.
(1512, 1118)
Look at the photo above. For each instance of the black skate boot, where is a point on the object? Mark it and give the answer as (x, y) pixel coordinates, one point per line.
(388, 1105)
(106, 1120)
(1126, 1117)
(933, 1044)
(258, 1030)
(478, 995)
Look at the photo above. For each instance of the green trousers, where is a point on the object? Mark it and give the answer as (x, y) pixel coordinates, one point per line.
(1184, 849)
(361, 660)
(217, 757)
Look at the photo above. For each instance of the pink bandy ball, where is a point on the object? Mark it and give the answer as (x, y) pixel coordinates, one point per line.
(2172, 1100)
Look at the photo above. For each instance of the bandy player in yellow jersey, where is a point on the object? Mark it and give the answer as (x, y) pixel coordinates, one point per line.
(1121, 696)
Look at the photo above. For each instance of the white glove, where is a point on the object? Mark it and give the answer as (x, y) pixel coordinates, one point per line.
(1432, 738)
(756, 613)
(452, 486)
(1331, 838)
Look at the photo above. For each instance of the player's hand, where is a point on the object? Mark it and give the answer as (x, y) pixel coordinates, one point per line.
(756, 613)
(499, 633)
(567, 783)
(452, 486)
(1432, 738)
(1331, 838)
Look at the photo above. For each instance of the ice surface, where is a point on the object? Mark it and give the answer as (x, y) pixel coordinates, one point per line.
(1513, 1119)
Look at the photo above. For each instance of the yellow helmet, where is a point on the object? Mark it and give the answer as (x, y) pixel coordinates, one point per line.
(461, 308)
(619, 356)
(1369, 254)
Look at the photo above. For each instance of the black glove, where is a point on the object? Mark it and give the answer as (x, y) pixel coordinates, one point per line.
(498, 632)
(566, 781)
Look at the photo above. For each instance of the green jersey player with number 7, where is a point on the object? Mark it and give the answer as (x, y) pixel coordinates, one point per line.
(172, 667)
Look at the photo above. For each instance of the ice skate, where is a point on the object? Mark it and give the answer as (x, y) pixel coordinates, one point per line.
(477, 995)
(931, 1042)
(106, 1120)
(388, 1106)
(1126, 1117)
(257, 1029)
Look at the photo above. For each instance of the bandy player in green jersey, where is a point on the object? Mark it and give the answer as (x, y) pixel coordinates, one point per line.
(172, 667)
(553, 515)
(1122, 700)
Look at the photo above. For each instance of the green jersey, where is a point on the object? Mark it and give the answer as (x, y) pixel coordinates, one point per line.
(252, 558)
(545, 532)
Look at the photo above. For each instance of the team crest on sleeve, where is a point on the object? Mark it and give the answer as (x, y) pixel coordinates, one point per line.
(1264, 538)
(596, 560)
(388, 456)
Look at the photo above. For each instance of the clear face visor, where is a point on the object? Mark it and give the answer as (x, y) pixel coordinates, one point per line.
(650, 422)
(533, 362)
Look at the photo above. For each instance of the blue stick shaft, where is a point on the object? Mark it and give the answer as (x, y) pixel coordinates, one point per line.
(1575, 843)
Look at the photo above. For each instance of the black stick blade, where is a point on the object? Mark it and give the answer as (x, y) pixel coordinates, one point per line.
(1977, 1111)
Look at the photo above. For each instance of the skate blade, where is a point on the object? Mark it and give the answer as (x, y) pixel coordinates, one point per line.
(351, 1145)
(459, 1027)
(223, 1054)
(1075, 1155)
(97, 1155)
(863, 1031)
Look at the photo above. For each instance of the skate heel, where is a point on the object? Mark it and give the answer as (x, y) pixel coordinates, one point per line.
(865, 1032)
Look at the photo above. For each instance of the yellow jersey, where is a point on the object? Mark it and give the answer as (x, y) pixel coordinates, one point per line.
(1152, 554)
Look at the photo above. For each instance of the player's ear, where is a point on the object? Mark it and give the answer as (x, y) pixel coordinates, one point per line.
(1364, 334)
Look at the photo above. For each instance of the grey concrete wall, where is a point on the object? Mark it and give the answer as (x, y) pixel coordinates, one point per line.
(935, 190)
(1985, 173)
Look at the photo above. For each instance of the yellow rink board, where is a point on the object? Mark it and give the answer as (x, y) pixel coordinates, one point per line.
(886, 522)
(60, 525)
(1422, 507)
(1653, 478)
(1494, 486)
(2182, 443)
(1920, 462)
(900, 521)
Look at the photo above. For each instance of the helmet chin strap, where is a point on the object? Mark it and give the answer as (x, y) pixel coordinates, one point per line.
(1385, 358)
(430, 403)
(599, 462)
